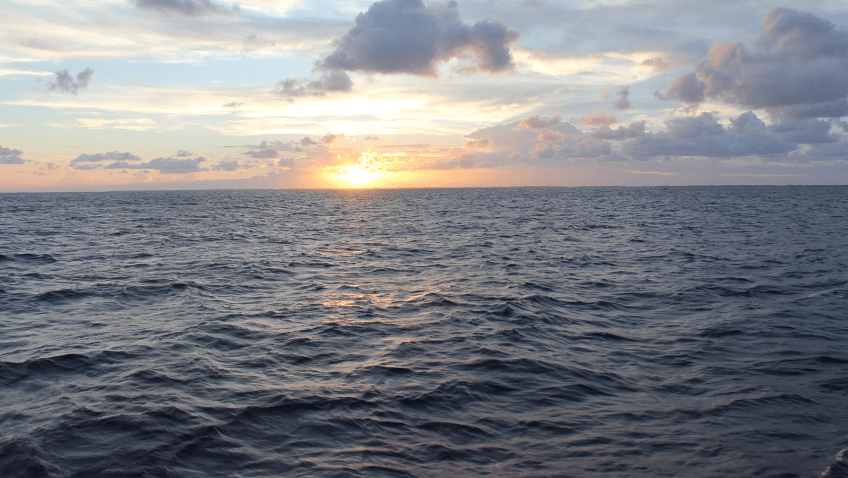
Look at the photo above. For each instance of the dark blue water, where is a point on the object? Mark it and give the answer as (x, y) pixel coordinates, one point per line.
(611, 332)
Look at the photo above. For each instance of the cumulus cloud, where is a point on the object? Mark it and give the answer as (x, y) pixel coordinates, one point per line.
(702, 135)
(11, 156)
(597, 118)
(84, 161)
(538, 121)
(188, 8)
(65, 82)
(406, 36)
(795, 69)
(328, 82)
(183, 154)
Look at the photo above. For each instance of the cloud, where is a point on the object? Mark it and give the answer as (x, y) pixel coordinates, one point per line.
(285, 163)
(329, 138)
(538, 122)
(328, 82)
(83, 161)
(634, 130)
(307, 141)
(795, 69)
(276, 146)
(263, 154)
(11, 156)
(702, 135)
(597, 118)
(623, 100)
(406, 36)
(513, 143)
(189, 8)
(66, 82)
(233, 104)
(550, 135)
(231, 165)
(482, 143)
(170, 165)
(183, 154)
(657, 64)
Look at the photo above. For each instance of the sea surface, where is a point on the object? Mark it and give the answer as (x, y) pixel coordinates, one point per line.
(588, 332)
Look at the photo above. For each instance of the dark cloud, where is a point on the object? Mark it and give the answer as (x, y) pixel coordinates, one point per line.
(702, 135)
(796, 69)
(328, 82)
(597, 118)
(263, 153)
(183, 154)
(538, 121)
(623, 100)
(189, 8)
(406, 36)
(804, 131)
(634, 130)
(11, 156)
(83, 161)
(66, 82)
(686, 87)
(307, 141)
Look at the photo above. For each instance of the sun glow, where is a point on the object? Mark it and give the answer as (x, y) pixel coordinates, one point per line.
(362, 174)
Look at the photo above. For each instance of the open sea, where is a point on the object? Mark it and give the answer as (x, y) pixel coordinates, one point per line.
(588, 332)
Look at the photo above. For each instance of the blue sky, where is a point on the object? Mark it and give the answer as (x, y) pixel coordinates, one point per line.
(163, 94)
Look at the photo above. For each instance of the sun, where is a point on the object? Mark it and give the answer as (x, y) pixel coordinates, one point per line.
(361, 174)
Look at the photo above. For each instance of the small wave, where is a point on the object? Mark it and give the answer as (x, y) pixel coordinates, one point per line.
(36, 258)
(61, 295)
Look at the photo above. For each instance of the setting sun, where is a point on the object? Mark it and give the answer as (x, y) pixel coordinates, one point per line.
(360, 174)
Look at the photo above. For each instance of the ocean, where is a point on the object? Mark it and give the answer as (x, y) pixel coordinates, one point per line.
(536, 332)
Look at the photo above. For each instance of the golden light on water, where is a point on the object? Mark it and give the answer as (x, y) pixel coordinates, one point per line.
(361, 175)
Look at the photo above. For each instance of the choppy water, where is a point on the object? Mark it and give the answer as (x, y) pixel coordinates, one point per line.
(612, 332)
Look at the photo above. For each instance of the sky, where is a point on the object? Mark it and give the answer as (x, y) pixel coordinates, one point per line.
(199, 94)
